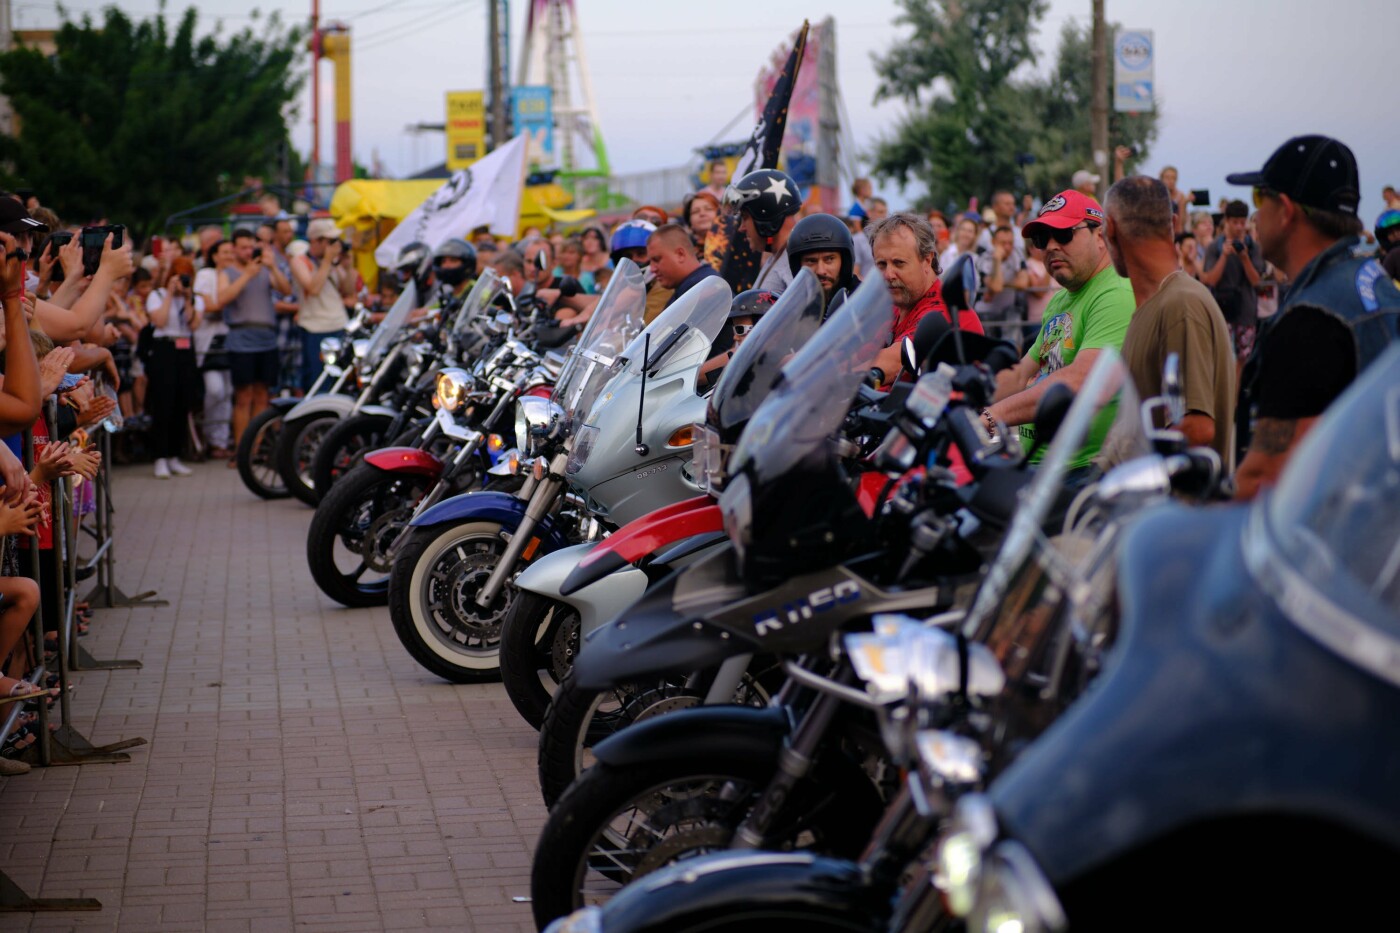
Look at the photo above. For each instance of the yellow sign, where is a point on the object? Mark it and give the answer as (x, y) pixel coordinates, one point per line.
(466, 128)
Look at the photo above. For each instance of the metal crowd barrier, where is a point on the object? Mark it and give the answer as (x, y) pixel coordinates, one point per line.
(66, 745)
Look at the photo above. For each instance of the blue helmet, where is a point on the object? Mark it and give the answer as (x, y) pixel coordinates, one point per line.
(1388, 230)
(631, 235)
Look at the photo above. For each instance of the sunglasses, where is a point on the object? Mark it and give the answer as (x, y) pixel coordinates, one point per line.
(742, 329)
(1260, 194)
(1041, 238)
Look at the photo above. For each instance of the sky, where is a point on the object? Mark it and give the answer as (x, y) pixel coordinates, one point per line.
(1235, 78)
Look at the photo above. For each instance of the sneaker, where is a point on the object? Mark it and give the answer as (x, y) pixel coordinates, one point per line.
(162, 469)
(178, 468)
(9, 767)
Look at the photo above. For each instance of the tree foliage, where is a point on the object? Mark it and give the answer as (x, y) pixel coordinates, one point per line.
(977, 109)
(135, 121)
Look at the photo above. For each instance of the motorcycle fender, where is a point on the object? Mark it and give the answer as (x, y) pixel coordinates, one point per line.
(756, 733)
(597, 603)
(499, 507)
(405, 460)
(339, 405)
(646, 535)
(380, 410)
(697, 891)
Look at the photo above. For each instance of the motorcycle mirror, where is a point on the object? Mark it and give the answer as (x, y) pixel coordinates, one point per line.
(909, 357)
(1050, 414)
(927, 335)
(1171, 388)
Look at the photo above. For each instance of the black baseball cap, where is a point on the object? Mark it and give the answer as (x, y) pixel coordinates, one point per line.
(1315, 171)
(15, 219)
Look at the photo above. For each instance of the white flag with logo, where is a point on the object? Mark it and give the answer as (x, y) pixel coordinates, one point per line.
(487, 194)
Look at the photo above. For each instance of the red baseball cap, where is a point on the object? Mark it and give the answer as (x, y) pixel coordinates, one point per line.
(1065, 210)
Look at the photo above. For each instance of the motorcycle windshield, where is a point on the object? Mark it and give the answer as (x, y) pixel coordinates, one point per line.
(1026, 562)
(1333, 520)
(393, 322)
(617, 318)
(681, 336)
(815, 387)
(777, 337)
(489, 286)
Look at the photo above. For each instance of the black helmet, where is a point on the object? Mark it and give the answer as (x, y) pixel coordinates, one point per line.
(753, 303)
(826, 233)
(768, 196)
(413, 262)
(456, 248)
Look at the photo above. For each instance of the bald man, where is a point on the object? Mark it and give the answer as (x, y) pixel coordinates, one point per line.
(674, 265)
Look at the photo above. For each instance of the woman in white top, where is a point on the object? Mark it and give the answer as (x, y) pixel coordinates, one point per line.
(174, 385)
(964, 241)
(218, 384)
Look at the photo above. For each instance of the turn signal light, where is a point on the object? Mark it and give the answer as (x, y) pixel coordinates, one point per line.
(682, 437)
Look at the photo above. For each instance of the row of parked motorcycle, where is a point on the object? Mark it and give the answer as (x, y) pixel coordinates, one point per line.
(803, 650)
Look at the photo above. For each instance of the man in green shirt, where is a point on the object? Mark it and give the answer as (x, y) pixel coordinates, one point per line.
(1091, 313)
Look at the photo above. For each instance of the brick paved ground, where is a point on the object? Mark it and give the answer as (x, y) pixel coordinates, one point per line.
(303, 773)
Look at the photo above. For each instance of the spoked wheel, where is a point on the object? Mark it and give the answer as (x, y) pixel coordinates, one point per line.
(615, 825)
(578, 719)
(432, 599)
(344, 447)
(538, 642)
(257, 456)
(296, 449)
(349, 543)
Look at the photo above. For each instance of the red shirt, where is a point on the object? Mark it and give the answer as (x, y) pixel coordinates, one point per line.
(932, 301)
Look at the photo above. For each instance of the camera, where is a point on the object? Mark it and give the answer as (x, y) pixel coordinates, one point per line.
(257, 253)
(56, 242)
(93, 239)
(185, 280)
(1239, 246)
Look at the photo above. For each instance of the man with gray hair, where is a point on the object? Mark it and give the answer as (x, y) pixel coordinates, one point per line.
(1175, 314)
(906, 255)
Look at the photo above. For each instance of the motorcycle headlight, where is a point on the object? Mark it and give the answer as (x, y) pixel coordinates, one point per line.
(583, 443)
(452, 387)
(959, 854)
(361, 347)
(535, 418)
(736, 506)
(1015, 896)
(330, 349)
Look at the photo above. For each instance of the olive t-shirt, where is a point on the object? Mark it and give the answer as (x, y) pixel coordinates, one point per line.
(1183, 318)
(1092, 318)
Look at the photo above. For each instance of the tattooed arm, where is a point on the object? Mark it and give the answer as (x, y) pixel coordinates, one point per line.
(1274, 439)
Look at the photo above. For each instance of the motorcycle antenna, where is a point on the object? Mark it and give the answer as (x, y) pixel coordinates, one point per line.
(642, 449)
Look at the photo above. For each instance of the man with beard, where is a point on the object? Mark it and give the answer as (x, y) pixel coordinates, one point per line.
(906, 253)
(1091, 313)
(823, 244)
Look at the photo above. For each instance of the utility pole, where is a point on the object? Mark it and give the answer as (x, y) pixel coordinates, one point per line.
(497, 85)
(1098, 113)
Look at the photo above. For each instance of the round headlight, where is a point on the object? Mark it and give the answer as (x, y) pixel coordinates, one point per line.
(361, 348)
(452, 387)
(330, 349)
(536, 417)
(958, 858)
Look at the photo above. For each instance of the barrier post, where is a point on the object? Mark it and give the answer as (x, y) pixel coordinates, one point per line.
(104, 535)
(13, 898)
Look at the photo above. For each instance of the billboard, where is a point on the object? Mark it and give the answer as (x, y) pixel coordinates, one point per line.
(466, 128)
(1132, 70)
(532, 109)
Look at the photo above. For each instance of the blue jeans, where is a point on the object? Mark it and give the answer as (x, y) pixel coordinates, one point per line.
(311, 356)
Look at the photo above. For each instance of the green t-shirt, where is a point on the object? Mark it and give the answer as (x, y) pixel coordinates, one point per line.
(1092, 318)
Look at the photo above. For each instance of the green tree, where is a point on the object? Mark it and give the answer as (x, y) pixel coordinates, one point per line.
(976, 107)
(135, 121)
(967, 119)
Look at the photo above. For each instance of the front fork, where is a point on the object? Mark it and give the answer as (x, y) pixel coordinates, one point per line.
(541, 503)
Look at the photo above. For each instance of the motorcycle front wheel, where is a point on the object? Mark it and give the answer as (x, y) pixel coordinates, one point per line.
(347, 545)
(539, 639)
(257, 456)
(296, 449)
(432, 600)
(344, 447)
(615, 825)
